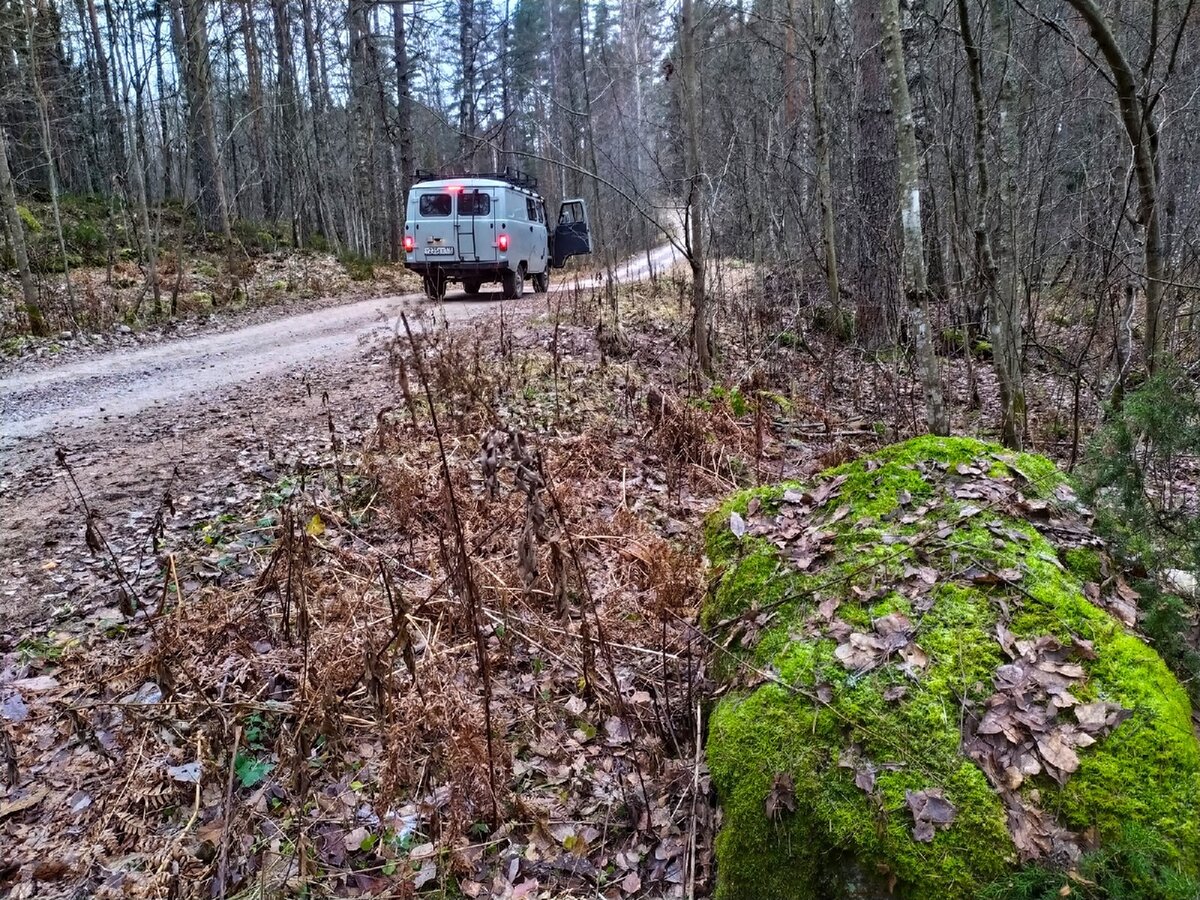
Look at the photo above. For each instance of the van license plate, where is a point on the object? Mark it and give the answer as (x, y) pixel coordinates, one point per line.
(439, 251)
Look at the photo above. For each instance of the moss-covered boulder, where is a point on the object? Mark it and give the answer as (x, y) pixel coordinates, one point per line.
(929, 691)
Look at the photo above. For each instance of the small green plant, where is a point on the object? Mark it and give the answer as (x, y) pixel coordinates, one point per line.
(251, 770)
(256, 728)
(734, 397)
(359, 268)
(38, 648)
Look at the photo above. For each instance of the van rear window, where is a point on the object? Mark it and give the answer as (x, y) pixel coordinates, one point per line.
(435, 205)
(474, 203)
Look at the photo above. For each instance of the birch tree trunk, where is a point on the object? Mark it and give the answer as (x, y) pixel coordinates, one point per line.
(689, 87)
(16, 232)
(916, 288)
(1006, 320)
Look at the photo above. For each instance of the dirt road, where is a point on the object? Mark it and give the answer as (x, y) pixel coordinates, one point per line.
(204, 417)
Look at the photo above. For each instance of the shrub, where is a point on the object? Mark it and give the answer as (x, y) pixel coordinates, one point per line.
(359, 268)
(1136, 474)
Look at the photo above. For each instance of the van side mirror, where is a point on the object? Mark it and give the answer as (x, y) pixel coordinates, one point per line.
(572, 235)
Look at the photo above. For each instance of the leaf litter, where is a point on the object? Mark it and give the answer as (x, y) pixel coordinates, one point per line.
(358, 688)
(298, 705)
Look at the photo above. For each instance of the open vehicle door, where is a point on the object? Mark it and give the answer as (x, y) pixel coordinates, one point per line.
(572, 237)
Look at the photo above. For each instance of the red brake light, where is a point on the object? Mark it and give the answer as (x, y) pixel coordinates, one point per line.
(454, 188)
(502, 242)
(409, 244)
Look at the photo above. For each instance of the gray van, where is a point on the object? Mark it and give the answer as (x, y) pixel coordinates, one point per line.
(488, 227)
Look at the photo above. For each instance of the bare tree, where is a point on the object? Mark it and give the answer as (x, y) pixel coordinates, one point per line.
(689, 90)
(916, 289)
(16, 235)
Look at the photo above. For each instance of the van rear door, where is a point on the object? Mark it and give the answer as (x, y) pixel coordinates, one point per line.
(572, 236)
(475, 225)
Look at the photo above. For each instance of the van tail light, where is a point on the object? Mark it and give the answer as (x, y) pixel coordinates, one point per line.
(410, 243)
(502, 243)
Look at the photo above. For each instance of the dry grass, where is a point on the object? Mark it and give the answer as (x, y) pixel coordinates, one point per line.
(532, 562)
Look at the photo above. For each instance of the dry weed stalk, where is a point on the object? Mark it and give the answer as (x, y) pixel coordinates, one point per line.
(467, 581)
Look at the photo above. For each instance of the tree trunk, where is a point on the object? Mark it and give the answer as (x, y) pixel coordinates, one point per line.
(467, 49)
(258, 126)
(404, 126)
(138, 169)
(112, 113)
(1142, 132)
(995, 271)
(874, 241)
(191, 28)
(1006, 319)
(43, 108)
(821, 21)
(916, 289)
(288, 141)
(689, 88)
(164, 121)
(316, 100)
(8, 199)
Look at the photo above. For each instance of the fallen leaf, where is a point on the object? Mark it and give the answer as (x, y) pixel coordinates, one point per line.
(428, 872)
(188, 773)
(1057, 753)
(354, 840)
(782, 796)
(575, 705)
(929, 809)
(737, 525)
(30, 800)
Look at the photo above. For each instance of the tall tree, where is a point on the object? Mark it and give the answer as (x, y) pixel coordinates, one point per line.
(190, 26)
(258, 112)
(16, 235)
(1142, 131)
(689, 90)
(821, 21)
(874, 201)
(916, 288)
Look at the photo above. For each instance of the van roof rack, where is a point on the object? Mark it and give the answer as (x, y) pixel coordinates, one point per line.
(515, 177)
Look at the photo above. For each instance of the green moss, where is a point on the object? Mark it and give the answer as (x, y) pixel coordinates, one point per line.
(1083, 563)
(844, 842)
(29, 220)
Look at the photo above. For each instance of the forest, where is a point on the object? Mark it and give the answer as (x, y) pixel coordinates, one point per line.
(831, 531)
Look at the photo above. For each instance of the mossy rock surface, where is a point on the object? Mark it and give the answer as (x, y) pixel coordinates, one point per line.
(965, 563)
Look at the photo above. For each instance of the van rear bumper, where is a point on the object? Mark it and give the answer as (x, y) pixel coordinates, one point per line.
(461, 268)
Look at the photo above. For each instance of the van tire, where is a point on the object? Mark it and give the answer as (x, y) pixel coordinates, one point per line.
(541, 281)
(435, 285)
(472, 286)
(514, 282)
